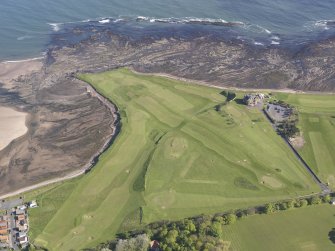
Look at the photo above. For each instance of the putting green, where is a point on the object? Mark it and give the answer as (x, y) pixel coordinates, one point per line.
(176, 156)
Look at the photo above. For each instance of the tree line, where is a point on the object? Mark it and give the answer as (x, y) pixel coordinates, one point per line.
(204, 232)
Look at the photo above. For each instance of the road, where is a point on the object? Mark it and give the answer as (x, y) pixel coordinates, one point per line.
(222, 87)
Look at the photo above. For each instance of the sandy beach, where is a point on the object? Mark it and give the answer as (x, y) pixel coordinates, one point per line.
(12, 125)
(11, 70)
(12, 122)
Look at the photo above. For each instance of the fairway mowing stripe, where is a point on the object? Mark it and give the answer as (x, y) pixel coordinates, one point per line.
(201, 181)
(321, 152)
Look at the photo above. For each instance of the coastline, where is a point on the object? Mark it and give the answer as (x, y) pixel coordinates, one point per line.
(92, 161)
(12, 75)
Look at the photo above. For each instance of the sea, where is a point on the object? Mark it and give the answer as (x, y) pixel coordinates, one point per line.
(26, 26)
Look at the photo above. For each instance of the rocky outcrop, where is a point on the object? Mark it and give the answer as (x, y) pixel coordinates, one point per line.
(205, 58)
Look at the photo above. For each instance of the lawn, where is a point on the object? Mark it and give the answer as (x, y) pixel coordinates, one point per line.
(180, 152)
(317, 122)
(303, 229)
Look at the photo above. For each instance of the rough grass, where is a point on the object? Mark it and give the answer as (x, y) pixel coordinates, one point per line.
(303, 229)
(176, 156)
(316, 113)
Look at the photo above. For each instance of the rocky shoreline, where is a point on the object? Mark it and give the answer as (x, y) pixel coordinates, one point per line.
(198, 55)
(68, 129)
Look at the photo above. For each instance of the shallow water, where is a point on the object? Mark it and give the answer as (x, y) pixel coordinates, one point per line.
(26, 25)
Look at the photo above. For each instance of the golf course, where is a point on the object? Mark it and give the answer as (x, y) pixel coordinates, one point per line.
(182, 151)
(317, 123)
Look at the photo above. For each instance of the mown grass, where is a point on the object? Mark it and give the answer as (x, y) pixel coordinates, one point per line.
(176, 156)
(49, 200)
(303, 229)
(317, 123)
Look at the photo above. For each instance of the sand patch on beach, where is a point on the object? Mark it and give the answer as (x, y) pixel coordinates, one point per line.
(12, 70)
(12, 125)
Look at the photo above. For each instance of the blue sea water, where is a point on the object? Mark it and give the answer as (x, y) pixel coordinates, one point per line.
(26, 25)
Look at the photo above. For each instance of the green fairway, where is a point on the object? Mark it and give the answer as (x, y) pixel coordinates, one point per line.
(180, 152)
(317, 122)
(303, 229)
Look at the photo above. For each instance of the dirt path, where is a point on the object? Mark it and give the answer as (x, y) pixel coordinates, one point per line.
(222, 87)
(42, 184)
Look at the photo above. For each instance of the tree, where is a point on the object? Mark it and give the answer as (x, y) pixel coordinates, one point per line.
(290, 204)
(215, 229)
(218, 219)
(315, 200)
(229, 219)
(269, 208)
(230, 96)
(282, 206)
(326, 198)
(163, 233)
(172, 236)
(331, 235)
(303, 203)
(189, 225)
(139, 243)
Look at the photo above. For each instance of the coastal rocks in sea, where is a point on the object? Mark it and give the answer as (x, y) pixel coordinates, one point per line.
(203, 57)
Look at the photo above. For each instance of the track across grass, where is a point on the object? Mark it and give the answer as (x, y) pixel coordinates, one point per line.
(317, 122)
(181, 152)
(303, 229)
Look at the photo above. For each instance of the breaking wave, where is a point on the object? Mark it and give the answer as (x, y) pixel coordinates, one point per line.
(257, 28)
(104, 21)
(190, 20)
(323, 23)
(55, 26)
(275, 42)
(269, 39)
(320, 25)
(24, 37)
(258, 43)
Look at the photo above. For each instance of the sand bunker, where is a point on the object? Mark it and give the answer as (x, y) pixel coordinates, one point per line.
(12, 125)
